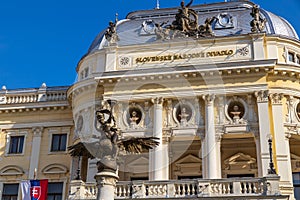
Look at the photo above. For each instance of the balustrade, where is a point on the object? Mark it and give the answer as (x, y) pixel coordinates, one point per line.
(246, 187)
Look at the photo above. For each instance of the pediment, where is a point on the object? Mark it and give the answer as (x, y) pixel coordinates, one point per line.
(189, 159)
(55, 169)
(11, 170)
(295, 157)
(141, 161)
(240, 158)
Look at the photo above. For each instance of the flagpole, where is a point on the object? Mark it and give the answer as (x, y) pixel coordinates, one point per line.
(35, 174)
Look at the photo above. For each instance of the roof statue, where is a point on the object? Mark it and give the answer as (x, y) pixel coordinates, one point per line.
(258, 23)
(111, 32)
(184, 25)
(110, 144)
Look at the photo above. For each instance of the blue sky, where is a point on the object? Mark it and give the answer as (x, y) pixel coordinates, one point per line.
(42, 41)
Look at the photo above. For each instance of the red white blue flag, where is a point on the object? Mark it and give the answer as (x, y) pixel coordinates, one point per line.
(34, 189)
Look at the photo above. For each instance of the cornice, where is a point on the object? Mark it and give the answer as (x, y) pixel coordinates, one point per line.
(220, 69)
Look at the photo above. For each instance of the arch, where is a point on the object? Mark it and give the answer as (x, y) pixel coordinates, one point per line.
(55, 169)
(11, 170)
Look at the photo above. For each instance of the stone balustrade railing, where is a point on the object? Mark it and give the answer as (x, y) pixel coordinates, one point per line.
(33, 95)
(81, 190)
(232, 187)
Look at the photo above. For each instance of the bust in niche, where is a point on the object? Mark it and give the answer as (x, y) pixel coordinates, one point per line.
(183, 116)
(134, 118)
(236, 114)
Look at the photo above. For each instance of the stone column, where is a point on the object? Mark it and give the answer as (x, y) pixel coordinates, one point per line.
(282, 146)
(158, 157)
(212, 151)
(106, 184)
(35, 151)
(264, 130)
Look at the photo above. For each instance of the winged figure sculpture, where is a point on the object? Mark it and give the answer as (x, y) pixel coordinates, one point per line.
(110, 144)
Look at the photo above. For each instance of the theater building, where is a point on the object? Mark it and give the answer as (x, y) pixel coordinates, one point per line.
(217, 84)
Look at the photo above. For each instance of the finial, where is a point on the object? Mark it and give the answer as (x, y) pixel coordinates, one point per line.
(43, 85)
(157, 4)
(116, 20)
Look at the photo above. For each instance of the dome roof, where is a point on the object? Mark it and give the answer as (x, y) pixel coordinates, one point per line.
(138, 27)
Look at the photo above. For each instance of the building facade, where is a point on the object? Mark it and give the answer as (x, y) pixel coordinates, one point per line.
(217, 84)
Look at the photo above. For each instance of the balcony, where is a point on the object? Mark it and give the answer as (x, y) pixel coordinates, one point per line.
(233, 188)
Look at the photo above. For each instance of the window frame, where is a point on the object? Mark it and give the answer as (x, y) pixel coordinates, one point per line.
(9, 137)
(62, 189)
(59, 148)
(17, 194)
(58, 131)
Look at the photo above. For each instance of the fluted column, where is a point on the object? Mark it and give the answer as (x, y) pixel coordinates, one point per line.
(264, 130)
(35, 152)
(281, 143)
(211, 142)
(158, 157)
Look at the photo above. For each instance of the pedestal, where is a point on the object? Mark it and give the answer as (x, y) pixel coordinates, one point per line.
(106, 184)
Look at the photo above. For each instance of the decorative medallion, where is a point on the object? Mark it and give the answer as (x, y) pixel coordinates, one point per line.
(124, 62)
(243, 51)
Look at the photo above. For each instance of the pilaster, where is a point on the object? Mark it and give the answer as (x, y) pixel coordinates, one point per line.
(281, 144)
(211, 147)
(264, 130)
(158, 157)
(35, 151)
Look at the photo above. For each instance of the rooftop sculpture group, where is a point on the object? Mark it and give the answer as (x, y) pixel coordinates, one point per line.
(258, 23)
(185, 25)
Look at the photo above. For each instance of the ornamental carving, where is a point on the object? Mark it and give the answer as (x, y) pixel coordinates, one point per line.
(184, 25)
(111, 32)
(258, 23)
(262, 96)
(276, 98)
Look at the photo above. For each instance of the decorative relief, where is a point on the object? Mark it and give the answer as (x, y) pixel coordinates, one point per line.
(293, 110)
(258, 23)
(37, 131)
(125, 62)
(276, 98)
(240, 161)
(243, 51)
(209, 99)
(262, 96)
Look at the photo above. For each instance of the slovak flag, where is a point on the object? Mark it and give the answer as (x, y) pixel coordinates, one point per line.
(34, 189)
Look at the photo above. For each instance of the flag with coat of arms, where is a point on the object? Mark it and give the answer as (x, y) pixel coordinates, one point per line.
(34, 189)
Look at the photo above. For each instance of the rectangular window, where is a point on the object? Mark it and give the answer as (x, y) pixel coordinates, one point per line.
(55, 191)
(10, 192)
(298, 59)
(291, 57)
(59, 142)
(296, 181)
(16, 144)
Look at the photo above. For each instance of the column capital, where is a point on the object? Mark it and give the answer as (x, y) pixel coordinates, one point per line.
(157, 100)
(209, 99)
(261, 96)
(276, 98)
(37, 131)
